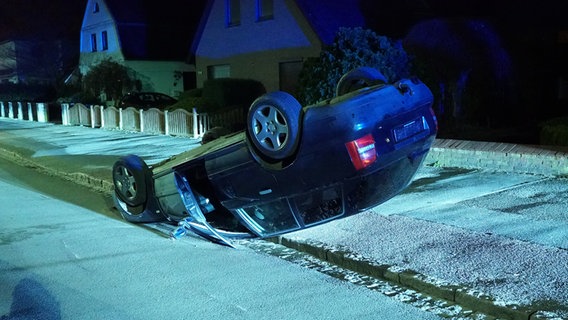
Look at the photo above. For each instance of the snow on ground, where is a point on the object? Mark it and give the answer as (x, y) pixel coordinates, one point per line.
(501, 234)
(513, 271)
(75, 140)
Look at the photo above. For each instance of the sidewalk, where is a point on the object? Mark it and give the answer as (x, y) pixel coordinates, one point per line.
(395, 241)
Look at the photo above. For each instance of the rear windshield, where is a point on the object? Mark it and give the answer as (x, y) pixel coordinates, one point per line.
(279, 216)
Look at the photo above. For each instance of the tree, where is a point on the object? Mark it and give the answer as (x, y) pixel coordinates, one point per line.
(109, 78)
(469, 70)
(352, 48)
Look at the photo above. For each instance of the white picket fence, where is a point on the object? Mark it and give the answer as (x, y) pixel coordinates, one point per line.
(178, 122)
(154, 121)
(24, 111)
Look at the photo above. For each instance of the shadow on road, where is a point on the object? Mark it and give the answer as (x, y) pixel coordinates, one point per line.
(31, 300)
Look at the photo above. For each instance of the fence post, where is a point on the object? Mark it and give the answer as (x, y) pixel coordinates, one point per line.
(120, 125)
(200, 122)
(2, 113)
(10, 110)
(195, 124)
(65, 114)
(41, 112)
(102, 117)
(141, 120)
(166, 123)
(20, 111)
(92, 112)
(30, 112)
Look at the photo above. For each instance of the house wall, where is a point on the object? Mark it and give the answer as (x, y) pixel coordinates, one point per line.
(96, 23)
(254, 49)
(261, 66)
(8, 62)
(160, 76)
(26, 61)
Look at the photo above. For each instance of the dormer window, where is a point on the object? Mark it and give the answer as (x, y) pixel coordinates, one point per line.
(264, 10)
(96, 7)
(233, 13)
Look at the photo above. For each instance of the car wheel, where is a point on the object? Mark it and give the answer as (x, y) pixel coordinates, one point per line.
(129, 177)
(274, 124)
(359, 78)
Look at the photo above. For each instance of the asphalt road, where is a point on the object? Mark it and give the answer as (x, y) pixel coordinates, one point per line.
(59, 260)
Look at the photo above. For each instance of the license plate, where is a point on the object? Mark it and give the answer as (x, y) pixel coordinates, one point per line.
(410, 129)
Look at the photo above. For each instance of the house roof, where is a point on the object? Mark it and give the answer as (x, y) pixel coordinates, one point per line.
(327, 16)
(156, 30)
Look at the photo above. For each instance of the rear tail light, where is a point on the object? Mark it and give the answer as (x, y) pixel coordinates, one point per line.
(362, 151)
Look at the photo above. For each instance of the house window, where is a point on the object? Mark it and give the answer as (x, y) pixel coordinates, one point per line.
(264, 10)
(96, 7)
(219, 71)
(104, 40)
(93, 42)
(233, 12)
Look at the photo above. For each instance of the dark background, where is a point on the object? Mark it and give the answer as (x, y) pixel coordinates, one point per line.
(532, 35)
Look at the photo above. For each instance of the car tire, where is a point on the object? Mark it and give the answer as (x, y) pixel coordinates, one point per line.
(359, 78)
(129, 175)
(273, 125)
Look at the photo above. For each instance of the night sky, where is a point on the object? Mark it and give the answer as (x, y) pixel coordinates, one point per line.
(41, 19)
(62, 18)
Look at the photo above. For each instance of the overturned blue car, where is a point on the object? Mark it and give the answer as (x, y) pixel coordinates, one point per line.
(293, 166)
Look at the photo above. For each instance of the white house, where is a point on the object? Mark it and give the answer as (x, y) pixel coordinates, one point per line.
(152, 38)
(268, 40)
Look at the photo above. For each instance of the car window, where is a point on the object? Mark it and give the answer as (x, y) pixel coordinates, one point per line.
(147, 97)
(320, 205)
(164, 98)
(268, 218)
(130, 98)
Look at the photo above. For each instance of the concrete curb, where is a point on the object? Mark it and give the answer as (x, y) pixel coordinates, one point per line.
(460, 295)
(96, 184)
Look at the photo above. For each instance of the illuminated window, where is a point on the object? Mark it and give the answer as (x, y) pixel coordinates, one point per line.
(104, 40)
(264, 10)
(233, 12)
(96, 7)
(93, 42)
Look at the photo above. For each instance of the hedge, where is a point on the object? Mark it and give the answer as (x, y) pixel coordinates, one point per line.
(554, 132)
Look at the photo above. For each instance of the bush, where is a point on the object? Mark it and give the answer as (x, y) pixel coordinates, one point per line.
(220, 97)
(81, 97)
(554, 132)
(190, 99)
(110, 78)
(195, 93)
(27, 92)
(188, 103)
(352, 48)
(227, 92)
